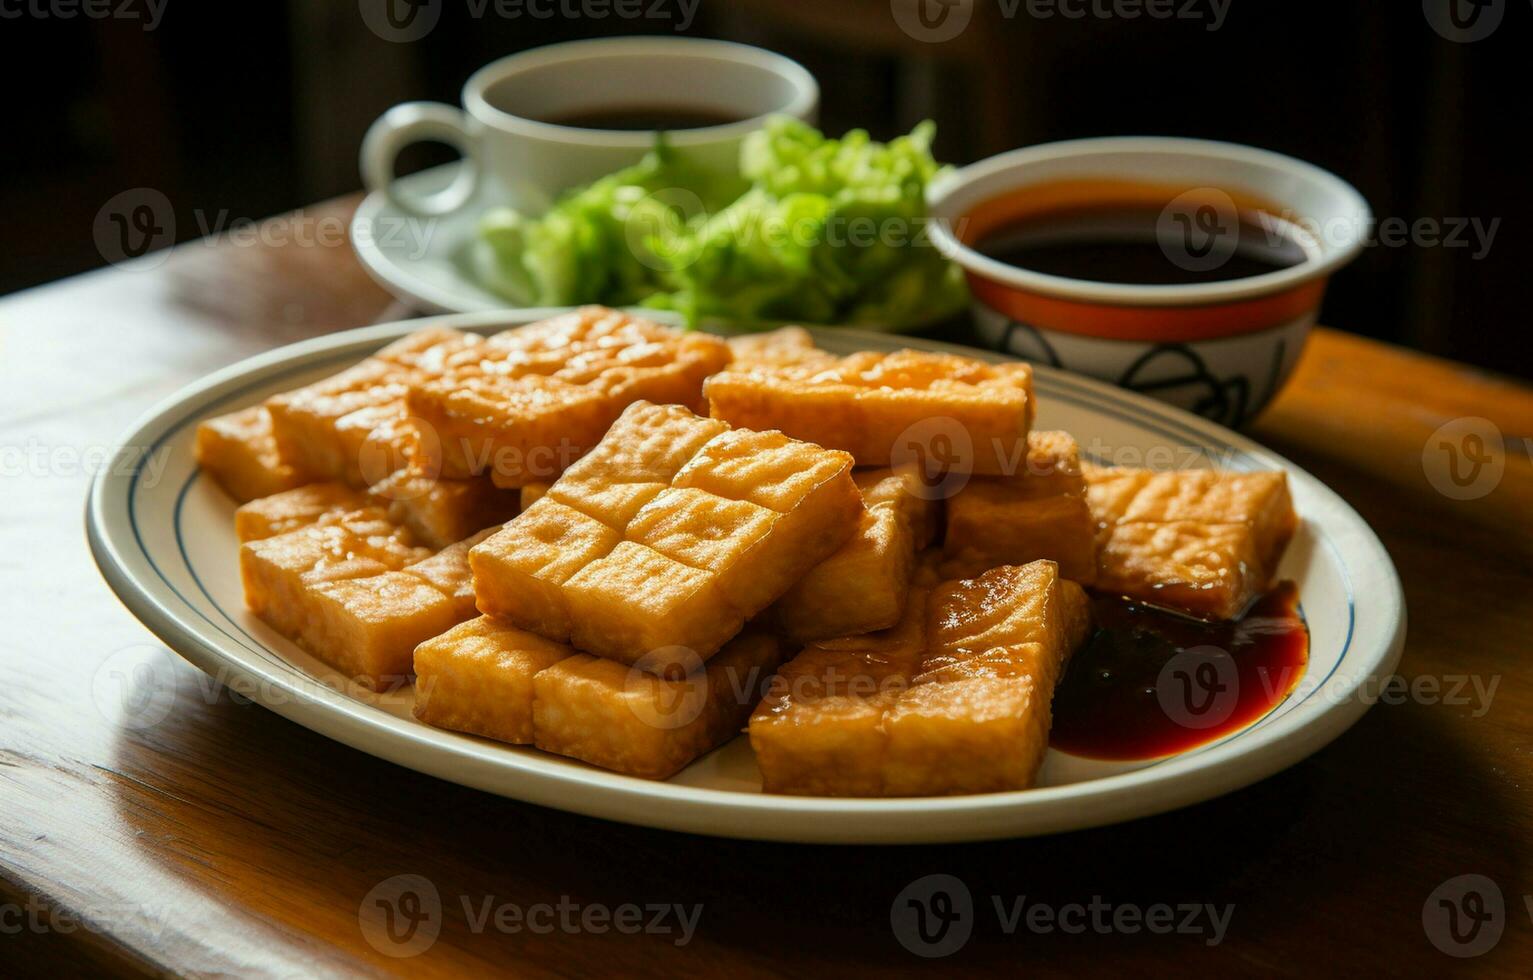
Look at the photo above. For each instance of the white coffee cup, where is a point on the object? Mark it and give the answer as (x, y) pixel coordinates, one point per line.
(504, 142)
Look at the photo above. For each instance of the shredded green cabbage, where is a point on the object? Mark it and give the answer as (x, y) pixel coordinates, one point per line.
(812, 229)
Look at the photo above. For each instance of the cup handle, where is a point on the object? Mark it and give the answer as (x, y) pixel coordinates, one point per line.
(411, 122)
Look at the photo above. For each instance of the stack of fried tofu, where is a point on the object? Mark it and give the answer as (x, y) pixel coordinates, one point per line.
(624, 544)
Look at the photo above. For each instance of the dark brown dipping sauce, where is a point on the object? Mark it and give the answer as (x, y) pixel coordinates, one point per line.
(644, 117)
(1151, 683)
(1132, 245)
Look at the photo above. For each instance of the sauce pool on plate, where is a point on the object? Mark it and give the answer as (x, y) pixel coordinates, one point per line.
(1151, 683)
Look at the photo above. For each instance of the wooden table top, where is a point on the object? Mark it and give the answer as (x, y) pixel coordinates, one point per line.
(226, 839)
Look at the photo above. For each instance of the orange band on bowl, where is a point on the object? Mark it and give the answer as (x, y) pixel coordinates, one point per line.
(1154, 323)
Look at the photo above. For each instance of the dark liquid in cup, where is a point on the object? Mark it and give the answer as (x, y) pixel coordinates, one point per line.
(1143, 245)
(644, 117)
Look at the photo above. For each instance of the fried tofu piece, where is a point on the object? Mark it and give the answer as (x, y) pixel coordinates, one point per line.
(659, 544)
(529, 401)
(630, 721)
(1038, 512)
(941, 410)
(368, 628)
(819, 730)
(520, 571)
(1205, 542)
(239, 451)
(448, 571)
(440, 511)
(774, 348)
(290, 510)
(956, 700)
(863, 586)
(353, 426)
(279, 572)
(357, 593)
(487, 677)
(478, 678)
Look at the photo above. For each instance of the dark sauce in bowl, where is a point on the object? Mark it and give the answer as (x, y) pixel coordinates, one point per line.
(1139, 245)
(1151, 683)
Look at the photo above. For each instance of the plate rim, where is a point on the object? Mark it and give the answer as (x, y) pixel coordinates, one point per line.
(1177, 782)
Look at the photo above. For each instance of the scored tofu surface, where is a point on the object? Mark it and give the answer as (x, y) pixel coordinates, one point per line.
(881, 407)
(1038, 512)
(355, 590)
(863, 586)
(955, 699)
(527, 402)
(353, 426)
(240, 452)
(1206, 542)
(487, 677)
(660, 543)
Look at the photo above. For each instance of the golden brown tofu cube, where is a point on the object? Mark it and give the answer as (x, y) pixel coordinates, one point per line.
(530, 401)
(819, 730)
(1207, 570)
(520, 571)
(323, 427)
(862, 587)
(353, 426)
(659, 544)
(238, 451)
(279, 573)
(1206, 542)
(1040, 512)
(888, 409)
(631, 721)
(977, 717)
(441, 511)
(478, 678)
(293, 509)
(448, 570)
(902, 490)
(859, 589)
(368, 628)
(354, 591)
(960, 705)
(774, 348)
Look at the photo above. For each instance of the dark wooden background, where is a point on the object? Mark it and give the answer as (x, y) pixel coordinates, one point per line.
(238, 119)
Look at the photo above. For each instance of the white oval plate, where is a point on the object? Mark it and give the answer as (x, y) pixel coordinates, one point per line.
(163, 536)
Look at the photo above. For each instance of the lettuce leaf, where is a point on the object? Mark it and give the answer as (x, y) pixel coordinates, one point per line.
(813, 229)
